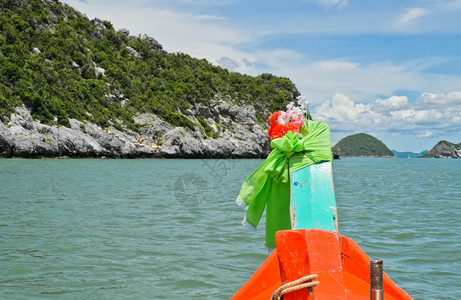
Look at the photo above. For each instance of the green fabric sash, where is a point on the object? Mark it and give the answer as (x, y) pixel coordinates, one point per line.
(268, 187)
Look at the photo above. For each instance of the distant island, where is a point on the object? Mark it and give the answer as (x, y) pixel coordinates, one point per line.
(408, 154)
(361, 145)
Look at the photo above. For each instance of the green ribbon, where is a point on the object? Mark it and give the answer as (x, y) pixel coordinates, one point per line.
(268, 187)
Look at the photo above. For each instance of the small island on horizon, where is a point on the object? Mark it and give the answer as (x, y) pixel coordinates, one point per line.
(365, 145)
(361, 145)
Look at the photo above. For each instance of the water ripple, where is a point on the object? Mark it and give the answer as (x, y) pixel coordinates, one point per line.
(105, 229)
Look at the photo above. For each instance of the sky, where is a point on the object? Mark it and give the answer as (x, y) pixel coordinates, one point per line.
(391, 68)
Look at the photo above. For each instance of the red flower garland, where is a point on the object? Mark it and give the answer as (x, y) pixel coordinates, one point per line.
(282, 122)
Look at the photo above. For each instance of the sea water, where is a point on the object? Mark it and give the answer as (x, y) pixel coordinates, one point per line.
(170, 229)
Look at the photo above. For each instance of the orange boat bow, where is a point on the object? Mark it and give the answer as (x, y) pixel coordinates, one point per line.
(343, 268)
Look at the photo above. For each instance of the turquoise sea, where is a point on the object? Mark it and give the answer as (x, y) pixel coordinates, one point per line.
(170, 229)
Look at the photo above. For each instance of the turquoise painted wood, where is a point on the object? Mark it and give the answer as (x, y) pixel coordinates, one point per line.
(312, 199)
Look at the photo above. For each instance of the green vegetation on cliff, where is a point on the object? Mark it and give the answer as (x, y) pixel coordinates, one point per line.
(361, 145)
(61, 65)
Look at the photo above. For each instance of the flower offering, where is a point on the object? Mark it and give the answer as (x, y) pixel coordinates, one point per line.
(290, 120)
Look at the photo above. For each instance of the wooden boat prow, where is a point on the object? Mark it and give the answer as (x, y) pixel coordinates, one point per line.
(314, 246)
(342, 267)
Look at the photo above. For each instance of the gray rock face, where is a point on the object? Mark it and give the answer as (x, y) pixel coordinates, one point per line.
(124, 31)
(236, 136)
(445, 150)
(13, 4)
(154, 44)
(24, 137)
(180, 143)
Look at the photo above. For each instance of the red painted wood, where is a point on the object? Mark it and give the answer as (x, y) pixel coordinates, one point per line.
(293, 260)
(342, 268)
(263, 282)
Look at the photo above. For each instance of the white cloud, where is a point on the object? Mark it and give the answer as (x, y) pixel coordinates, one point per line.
(209, 17)
(394, 114)
(343, 114)
(437, 16)
(335, 66)
(452, 5)
(451, 101)
(426, 134)
(206, 2)
(413, 116)
(319, 80)
(331, 3)
(228, 63)
(413, 14)
(392, 103)
(448, 104)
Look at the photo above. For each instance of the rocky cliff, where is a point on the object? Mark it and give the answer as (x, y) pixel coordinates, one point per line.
(237, 136)
(444, 149)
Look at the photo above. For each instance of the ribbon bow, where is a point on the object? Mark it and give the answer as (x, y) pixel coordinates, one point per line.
(269, 184)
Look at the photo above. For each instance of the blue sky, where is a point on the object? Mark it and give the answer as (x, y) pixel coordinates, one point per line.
(391, 69)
